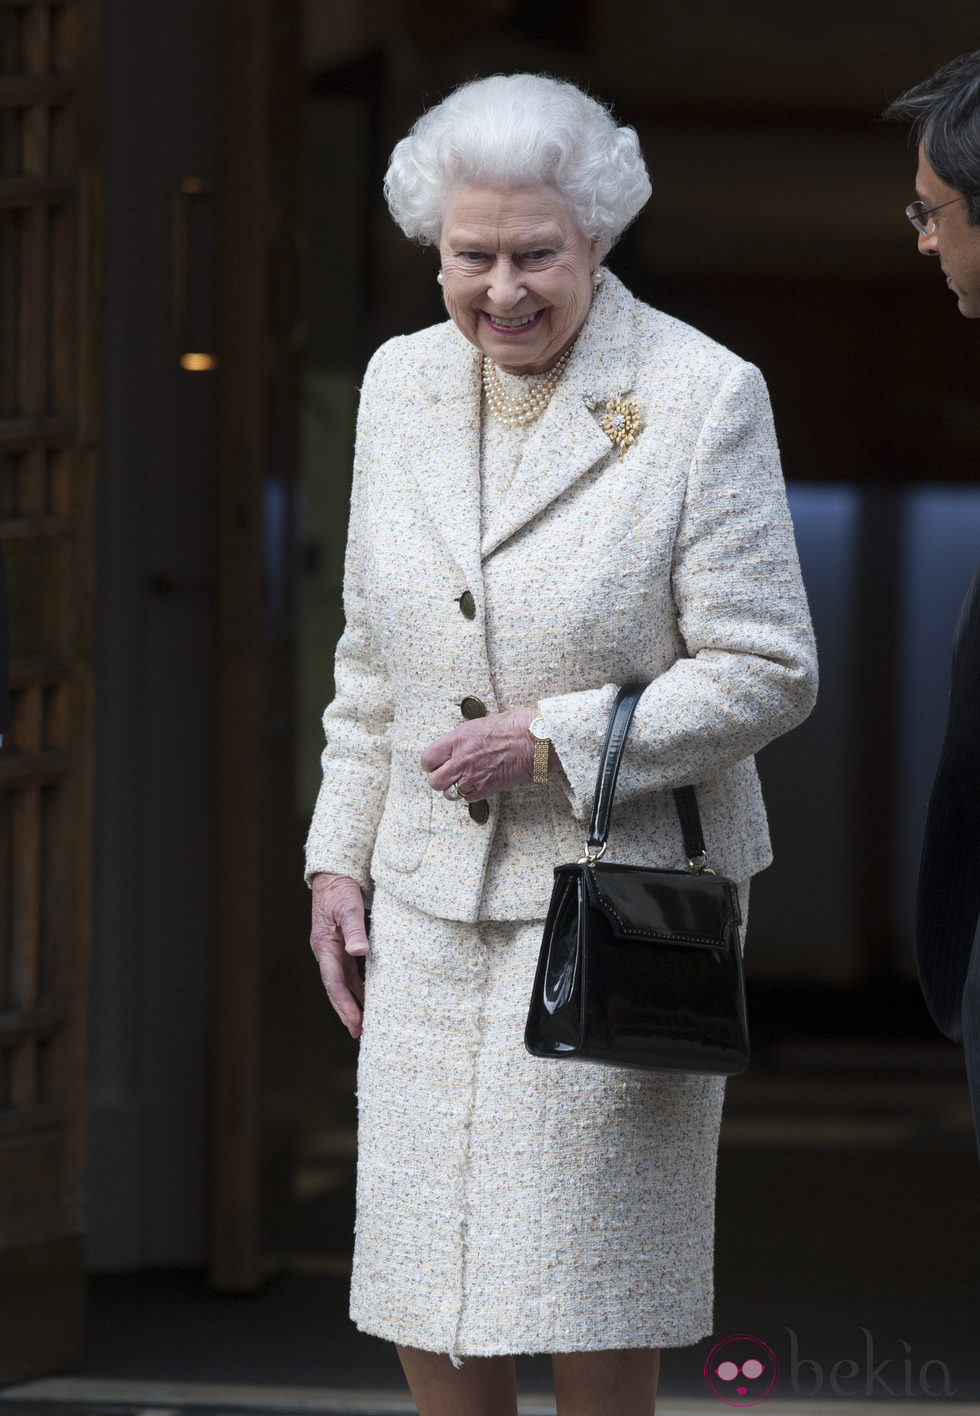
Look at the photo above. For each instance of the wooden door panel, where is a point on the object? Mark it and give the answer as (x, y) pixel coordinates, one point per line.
(47, 89)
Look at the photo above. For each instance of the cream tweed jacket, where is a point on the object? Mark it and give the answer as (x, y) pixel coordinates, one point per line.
(675, 563)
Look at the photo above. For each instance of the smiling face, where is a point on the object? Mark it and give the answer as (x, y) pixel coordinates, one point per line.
(955, 241)
(517, 275)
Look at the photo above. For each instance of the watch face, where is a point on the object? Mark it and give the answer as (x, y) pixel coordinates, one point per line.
(539, 729)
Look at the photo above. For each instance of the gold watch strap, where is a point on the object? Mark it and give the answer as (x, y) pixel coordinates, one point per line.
(542, 749)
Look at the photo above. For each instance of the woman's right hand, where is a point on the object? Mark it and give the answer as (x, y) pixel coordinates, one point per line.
(338, 936)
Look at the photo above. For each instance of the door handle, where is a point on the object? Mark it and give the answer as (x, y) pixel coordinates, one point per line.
(193, 321)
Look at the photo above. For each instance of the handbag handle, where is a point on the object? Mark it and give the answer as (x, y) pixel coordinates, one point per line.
(685, 798)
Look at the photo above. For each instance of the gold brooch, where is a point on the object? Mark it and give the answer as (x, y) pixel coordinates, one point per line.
(621, 422)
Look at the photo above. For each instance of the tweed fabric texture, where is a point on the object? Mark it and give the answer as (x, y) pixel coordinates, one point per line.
(501, 450)
(504, 1202)
(509, 1204)
(675, 563)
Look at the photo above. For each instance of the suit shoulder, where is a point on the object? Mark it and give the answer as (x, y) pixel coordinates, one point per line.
(655, 329)
(405, 351)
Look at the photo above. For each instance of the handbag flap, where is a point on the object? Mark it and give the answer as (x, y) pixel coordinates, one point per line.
(642, 903)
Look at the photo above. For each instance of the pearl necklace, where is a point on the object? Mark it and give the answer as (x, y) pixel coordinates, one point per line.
(514, 410)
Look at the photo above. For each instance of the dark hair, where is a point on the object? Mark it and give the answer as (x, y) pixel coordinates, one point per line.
(944, 111)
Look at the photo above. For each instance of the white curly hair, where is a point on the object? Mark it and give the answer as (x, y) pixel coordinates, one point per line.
(519, 131)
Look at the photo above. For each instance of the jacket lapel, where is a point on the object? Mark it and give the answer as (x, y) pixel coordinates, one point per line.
(568, 440)
(442, 447)
(442, 444)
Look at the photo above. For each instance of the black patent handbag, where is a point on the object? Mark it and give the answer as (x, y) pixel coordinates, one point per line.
(640, 967)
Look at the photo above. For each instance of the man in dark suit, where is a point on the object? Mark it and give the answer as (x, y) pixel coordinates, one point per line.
(945, 113)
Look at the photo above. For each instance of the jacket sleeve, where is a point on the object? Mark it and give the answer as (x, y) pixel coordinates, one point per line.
(750, 669)
(356, 757)
(947, 905)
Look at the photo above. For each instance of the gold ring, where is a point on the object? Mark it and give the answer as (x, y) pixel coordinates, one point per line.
(453, 792)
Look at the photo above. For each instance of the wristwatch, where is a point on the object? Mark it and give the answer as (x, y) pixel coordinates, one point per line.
(541, 733)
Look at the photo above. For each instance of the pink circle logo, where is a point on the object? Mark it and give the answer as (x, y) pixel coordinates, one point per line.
(741, 1370)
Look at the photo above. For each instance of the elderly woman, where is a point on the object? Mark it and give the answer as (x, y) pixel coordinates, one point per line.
(556, 491)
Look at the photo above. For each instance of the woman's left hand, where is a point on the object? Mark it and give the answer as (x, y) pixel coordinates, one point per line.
(483, 756)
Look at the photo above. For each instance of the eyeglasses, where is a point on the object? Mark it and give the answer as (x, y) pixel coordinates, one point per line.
(921, 216)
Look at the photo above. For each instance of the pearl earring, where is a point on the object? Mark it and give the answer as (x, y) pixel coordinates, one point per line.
(597, 279)
(439, 277)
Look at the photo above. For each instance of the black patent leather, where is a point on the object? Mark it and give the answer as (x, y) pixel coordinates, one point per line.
(654, 904)
(640, 967)
(554, 1027)
(685, 798)
(611, 756)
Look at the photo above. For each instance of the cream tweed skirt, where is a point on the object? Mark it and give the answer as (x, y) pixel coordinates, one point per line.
(509, 1204)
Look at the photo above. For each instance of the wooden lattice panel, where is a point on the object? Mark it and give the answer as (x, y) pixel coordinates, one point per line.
(47, 221)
